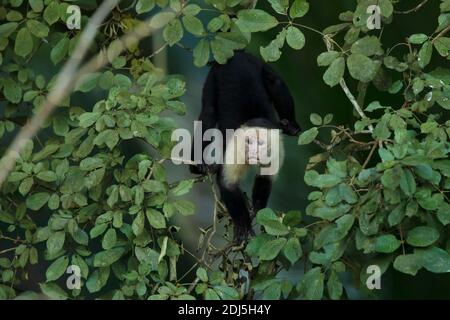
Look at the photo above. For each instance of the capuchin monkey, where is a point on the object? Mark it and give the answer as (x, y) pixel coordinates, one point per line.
(244, 94)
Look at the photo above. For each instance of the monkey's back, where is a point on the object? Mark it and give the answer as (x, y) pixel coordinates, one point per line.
(240, 91)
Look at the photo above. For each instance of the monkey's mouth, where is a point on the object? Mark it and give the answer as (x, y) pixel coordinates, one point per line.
(253, 160)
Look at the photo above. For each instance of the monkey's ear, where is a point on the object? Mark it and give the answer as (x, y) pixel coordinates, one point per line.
(290, 128)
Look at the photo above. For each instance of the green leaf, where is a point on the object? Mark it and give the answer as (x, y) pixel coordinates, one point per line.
(272, 292)
(435, 259)
(109, 137)
(24, 43)
(299, 8)
(186, 208)
(226, 293)
(292, 250)
(335, 72)
(368, 46)
(153, 186)
(138, 224)
(271, 52)
(97, 280)
(60, 50)
(89, 164)
(210, 294)
(53, 202)
(57, 268)
(408, 263)
(308, 136)
(192, 10)
(215, 24)
(361, 67)
(12, 91)
(109, 239)
(183, 187)
(202, 275)
(37, 28)
(334, 286)
(327, 58)
(156, 218)
(51, 12)
(386, 8)
(6, 29)
(87, 119)
(194, 25)
(17, 176)
(37, 200)
(255, 20)
(271, 249)
(312, 284)
(425, 54)
(173, 32)
(53, 291)
(386, 243)
(422, 236)
(442, 45)
(295, 38)
(143, 6)
(407, 182)
(36, 5)
(98, 230)
(418, 38)
(108, 257)
(443, 214)
(55, 242)
(47, 176)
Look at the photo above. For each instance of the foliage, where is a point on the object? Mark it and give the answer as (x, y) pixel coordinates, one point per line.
(76, 198)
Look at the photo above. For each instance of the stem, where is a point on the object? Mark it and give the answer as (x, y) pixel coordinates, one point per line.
(415, 9)
(347, 91)
(440, 34)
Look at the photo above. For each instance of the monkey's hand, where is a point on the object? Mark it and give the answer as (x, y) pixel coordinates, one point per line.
(242, 233)
(290, 128)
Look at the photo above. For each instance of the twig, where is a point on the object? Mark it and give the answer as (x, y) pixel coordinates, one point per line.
(63, 85)
(8, 250)
(67, 78)
(347, 92)
(415, 9)
(375, 145)
(440, 34)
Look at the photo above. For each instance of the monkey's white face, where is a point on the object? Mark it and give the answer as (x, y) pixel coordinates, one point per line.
(257, 146)
(252, 146)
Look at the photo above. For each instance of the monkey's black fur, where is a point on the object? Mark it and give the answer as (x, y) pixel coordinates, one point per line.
(245, 90)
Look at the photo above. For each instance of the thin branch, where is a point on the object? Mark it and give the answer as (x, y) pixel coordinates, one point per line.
(375, 145)
(415, 9)
(67, 78)
(8, 250)
(347, 91)
(63, 86)
(440, 34)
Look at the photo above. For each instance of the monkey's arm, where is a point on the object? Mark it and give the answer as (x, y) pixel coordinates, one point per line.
(208, 118)
(282, 100)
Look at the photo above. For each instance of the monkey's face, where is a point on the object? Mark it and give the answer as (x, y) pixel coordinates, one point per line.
(257, 146)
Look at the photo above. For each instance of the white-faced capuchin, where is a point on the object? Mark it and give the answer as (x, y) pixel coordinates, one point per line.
(245, 93)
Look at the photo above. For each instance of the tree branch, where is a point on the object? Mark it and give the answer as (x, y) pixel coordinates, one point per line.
(346, 90)
(67, 78)
(415, 9)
